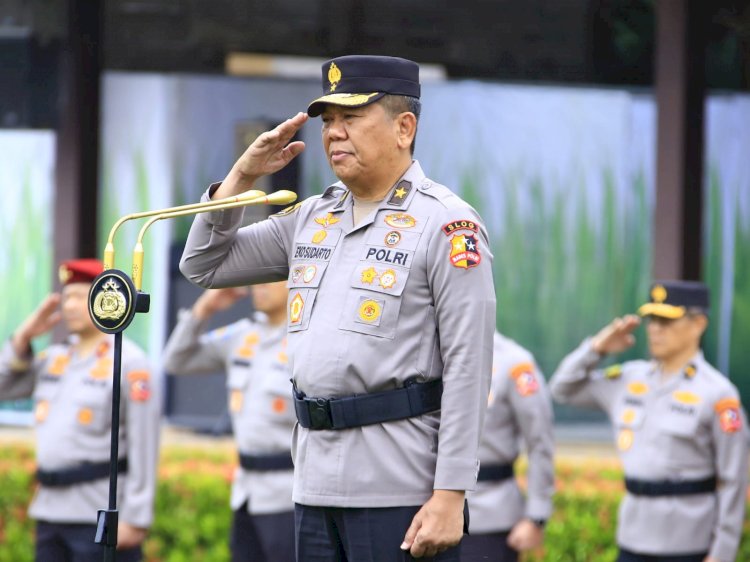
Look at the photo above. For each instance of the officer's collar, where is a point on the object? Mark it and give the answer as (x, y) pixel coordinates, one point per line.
(688, 371)
(398, 198)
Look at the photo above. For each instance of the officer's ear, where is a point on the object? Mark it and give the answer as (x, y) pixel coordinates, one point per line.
(406, 126)
(699, 321)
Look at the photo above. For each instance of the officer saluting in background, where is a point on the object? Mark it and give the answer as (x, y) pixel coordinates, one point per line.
(253, 354)
(72, 388)
(681, 431)
(391, 316)
(502, 522)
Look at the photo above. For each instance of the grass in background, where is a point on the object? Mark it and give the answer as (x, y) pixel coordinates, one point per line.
(563, 268)
(716, 260)
(193, 517)
(26, 279)
(27, 276)
(110, 210)
(739, 356)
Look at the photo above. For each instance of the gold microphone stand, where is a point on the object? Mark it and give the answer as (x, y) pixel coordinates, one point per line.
(115, 298)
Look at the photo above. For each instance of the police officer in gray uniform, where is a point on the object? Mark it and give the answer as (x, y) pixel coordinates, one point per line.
(71, 384)
(253, 354)
(503, 523)
(391, 316)
(681, 431)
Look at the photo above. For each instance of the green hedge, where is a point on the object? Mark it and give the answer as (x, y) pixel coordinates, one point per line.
(193, 518)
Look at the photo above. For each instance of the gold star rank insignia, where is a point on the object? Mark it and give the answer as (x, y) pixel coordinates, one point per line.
(400, 193)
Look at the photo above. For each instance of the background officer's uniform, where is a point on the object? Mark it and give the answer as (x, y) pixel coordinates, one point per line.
(73, 413)
(518, 407)
(690, 430)
(253, 354)
(407, 292)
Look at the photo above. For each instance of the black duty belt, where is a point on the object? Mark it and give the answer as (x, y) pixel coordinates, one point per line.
(670, 487)
(414, 399)
(84, 473)
(279, 461)
(494, 472)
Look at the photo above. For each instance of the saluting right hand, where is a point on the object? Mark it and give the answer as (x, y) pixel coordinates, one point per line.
(41, 321)
(267, 154)
(216, 300)
(617, 336)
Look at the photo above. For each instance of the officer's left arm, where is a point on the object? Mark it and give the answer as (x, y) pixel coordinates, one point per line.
(532, 408)
(464, 299)
(142, 422)
(731, 465)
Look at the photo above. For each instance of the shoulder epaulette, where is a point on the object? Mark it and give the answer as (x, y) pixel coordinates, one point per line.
(613, 372)
(691, 370)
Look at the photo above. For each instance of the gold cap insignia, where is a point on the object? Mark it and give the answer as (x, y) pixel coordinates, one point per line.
(64, 274)
(658, 294)
(334, 76)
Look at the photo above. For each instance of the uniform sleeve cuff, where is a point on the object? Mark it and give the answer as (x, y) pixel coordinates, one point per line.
(537, 508)
(588, 356)
(723, 552)
(222, 219)
(456, 474)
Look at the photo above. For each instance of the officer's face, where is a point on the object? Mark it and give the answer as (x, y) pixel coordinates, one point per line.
(75, 308)
(362, 144)
(270, 297)
(668, 338)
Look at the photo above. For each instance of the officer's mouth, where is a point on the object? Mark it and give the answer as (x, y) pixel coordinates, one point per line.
(338, 156)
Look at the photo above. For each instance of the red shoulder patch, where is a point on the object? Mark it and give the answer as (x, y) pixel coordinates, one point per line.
(730, 419)
(140, 385)
(525, 379)
(464, 252)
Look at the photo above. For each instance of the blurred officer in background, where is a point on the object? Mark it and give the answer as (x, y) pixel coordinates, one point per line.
(253, 354)
(681, 431)
(502, 522)
(391, 316)
(72, 388)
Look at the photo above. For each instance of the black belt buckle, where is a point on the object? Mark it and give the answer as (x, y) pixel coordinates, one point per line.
(320, 413)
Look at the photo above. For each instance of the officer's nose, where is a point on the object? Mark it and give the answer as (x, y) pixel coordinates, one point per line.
(335, 129)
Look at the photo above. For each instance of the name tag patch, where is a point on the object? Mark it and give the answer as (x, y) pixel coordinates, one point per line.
(387, 255)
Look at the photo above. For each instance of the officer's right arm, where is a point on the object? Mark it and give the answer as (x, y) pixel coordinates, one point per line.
(17, 365)
(189, 352)
(17, 373)
(577, 381)
(218, 253)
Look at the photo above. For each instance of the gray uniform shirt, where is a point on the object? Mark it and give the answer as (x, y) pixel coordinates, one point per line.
(518, 407)
(408, 292)
(253, 354)
(73, 414)
(688, 428)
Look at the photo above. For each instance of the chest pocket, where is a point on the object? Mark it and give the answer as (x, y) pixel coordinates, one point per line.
(237, 382)
(277, 395)
(307, 268)
(683, 414)
(372, 306)
(93, 409)
(630, 413)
